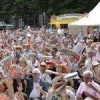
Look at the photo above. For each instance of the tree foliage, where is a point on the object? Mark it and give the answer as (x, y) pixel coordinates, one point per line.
(32, 8)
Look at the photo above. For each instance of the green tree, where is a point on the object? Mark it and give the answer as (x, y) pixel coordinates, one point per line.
(30, 9)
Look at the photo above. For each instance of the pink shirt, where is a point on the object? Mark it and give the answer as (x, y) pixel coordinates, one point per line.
(83, 87)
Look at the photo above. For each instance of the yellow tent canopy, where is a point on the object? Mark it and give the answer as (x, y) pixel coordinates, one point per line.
(63, 19)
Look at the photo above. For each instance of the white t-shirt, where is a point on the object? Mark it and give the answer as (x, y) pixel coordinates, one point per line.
(35, 92)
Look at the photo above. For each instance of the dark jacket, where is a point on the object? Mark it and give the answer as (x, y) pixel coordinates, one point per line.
(30, 85)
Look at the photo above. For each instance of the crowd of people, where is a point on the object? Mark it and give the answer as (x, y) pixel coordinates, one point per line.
(47, 64)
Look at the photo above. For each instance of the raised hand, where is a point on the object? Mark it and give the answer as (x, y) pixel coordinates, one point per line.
(20, 88)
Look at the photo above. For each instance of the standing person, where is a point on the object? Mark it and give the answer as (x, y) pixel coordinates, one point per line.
(90, 58)
(34, 84)
(96, 71)
(54, 53)
(18, 53)
(62, 70)
(44, 76)
(18, 81)
(88, 90)
(3, 89)
(6, 88)
(52, 67)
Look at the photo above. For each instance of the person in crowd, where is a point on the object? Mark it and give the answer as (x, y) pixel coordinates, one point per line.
(3, 89)
(72, 62)
(61, 70)
(51, 64)
(36, 87)
(17, 53)
(19, 81)
(19, 94)
(44, 76)
(62, 89)
(43, 58)
(96, 71)
(88, 42)
(33, 60)
(6, 89)
(88, 90)
(27, 50)
(54, 53)
(81, 61)
(90, 58)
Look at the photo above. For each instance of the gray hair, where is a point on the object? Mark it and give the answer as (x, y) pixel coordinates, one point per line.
(36, 70)
(88, 73)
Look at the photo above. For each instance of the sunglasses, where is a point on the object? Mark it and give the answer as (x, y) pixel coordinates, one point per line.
(42, 65)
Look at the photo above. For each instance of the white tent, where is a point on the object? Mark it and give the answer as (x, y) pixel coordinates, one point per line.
(93, 18)
(80, 22)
